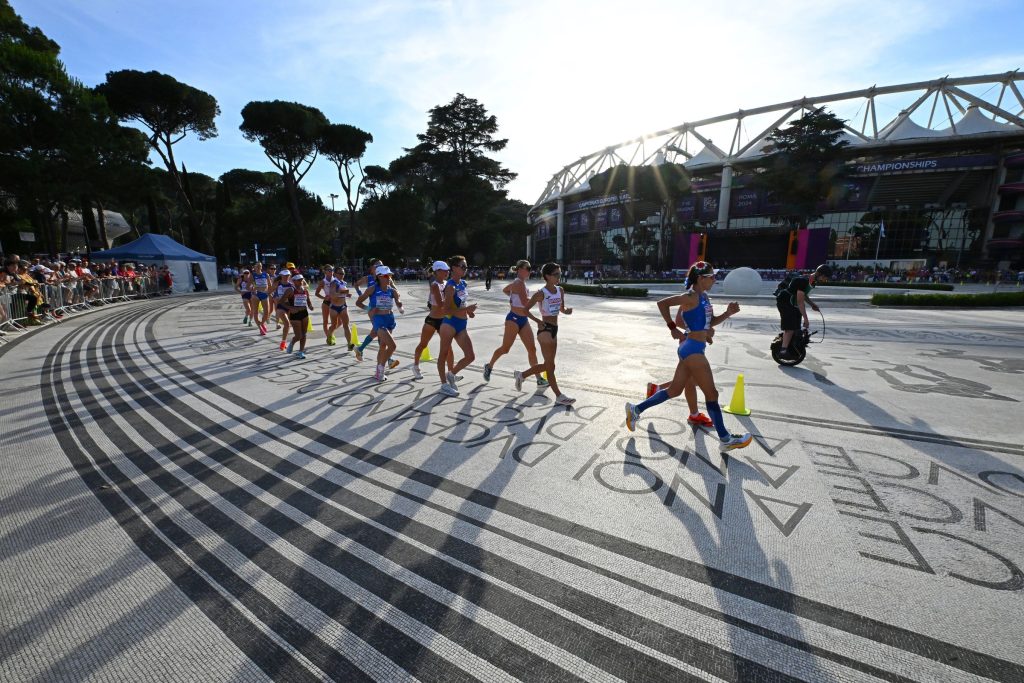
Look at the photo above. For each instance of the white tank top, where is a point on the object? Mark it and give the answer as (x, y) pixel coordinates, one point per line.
(435, 297)
(552, 303)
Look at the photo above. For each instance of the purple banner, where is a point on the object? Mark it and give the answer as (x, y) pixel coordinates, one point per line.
(855, 193)
(744, 202)
(686, 209)
(933, 164)
(601, 219)
(708, 206)
(614, 217)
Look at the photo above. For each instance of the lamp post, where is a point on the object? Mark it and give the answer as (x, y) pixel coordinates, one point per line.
(337, 239)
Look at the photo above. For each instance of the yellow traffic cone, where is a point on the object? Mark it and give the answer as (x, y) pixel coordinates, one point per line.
(738, 404)
(309, 323)
(425, 355)
(544, 375)
(355, 334)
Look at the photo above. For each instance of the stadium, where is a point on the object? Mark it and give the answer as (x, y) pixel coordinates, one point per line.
(935, 178)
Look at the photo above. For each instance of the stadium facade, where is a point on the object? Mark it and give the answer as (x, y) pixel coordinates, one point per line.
(935, 177)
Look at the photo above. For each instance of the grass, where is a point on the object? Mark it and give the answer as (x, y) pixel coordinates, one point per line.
(986, 300)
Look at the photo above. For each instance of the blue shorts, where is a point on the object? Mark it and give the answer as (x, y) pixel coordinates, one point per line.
(520, 320)
(246, 296)
(384, 321)
(339, 309)
(690, 347)
(262, 296)
(458, 323)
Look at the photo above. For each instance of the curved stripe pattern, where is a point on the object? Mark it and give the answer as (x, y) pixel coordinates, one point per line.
(323, 560)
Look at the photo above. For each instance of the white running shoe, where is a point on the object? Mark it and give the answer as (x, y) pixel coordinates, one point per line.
(631, 417)
(736, 441)
(379, 374)
(518, 376)
(447, 390)
(487, 372)
(416, 374)
(452, 381)
(564, 400)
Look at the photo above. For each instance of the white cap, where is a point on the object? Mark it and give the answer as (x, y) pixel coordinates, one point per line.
(440, 265)
(383, 270)
(284, 271)
(297, 277)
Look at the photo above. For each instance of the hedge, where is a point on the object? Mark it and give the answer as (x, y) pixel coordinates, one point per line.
(950, 300)
(614, 281)
(936, 286)
(601, 290)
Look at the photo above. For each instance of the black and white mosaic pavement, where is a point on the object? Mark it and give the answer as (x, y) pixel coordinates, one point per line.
(182, 501)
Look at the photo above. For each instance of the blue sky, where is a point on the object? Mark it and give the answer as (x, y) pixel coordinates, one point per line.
(564, 78)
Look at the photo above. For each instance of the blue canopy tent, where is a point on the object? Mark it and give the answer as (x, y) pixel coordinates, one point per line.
(161, 250)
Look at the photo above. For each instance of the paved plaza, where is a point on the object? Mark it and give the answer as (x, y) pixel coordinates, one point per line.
(181, 501)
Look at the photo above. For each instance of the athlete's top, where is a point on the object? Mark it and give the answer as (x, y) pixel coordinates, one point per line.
(326, 286)
(513, 297)
(699, 317)
(261, 281)
(551, 306)
(243, 284)
(300, 298)
(336, 287)
(383, 300)
(436, 296)
(459, 294)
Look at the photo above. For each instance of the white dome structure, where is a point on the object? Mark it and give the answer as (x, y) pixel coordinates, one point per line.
(742, 282)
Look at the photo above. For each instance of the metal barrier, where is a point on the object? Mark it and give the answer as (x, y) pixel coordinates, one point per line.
(24, 305)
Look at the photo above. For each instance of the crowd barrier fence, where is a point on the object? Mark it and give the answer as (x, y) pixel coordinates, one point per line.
(23, 306)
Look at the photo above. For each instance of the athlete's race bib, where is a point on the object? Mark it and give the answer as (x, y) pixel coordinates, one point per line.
(301, 299)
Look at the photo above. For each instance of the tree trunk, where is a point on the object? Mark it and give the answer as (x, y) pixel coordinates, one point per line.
(88, 223)
(65, 244)
(154, 218)
(293, 205)
(102, 222)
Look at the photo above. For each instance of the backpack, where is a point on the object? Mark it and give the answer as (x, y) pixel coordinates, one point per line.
(783, 286)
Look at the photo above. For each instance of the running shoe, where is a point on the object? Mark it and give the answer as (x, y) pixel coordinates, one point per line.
(736, 441)
(487, 372)
(393, 363)
(262, 331)
(249, 323)
(300, 355)
(379, 374)
(359, 354)
(416, 374)
(291, 345)
(631, 417)
(351, 346)
(700, 420)
(652, 389)
(518, 377)
(541, 382)
(452, 381)
(263, 326)
(245, 320)
(564, 400)
(330, 340)
(447, 390)
(283, 344)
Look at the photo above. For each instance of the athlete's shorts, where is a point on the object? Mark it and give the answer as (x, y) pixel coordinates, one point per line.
(458, 323)
(790, 315)
(384, 321)
(690, 347)
(339, 309)
(300, 314)
(519, 320)
(246, 295)
(262, 296)
(433, 322)
(550, 329)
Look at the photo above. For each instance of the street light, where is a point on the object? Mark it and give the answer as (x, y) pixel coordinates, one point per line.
(337, 239)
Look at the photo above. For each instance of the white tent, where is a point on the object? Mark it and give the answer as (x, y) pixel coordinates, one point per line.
(161, 250)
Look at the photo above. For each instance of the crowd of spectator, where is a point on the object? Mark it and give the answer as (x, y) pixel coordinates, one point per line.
(34, 291)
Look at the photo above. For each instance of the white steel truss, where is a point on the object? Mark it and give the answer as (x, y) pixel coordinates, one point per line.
(983, 106)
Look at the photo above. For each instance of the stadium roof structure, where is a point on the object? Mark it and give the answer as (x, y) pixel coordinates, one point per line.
(926, 112)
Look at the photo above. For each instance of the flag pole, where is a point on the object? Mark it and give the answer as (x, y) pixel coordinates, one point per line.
(878, 244)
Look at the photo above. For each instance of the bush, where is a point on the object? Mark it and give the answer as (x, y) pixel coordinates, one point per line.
(935, 286)
(620, 281)
(602, 290)
(997, 299)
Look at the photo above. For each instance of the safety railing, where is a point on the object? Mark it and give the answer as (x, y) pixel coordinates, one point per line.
(28, 304)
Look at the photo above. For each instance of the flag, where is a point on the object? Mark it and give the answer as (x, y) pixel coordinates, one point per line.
(881, 229)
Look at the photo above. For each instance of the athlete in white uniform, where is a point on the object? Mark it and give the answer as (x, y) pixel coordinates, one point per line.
(551, 298)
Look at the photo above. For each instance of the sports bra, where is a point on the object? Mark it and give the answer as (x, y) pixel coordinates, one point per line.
(260, 280)
(436, 297)
(552, 304)
(699, 317)
(243, 285)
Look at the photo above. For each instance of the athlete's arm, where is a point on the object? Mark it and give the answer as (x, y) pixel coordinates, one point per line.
(567, 311)
(319, 289)
(732, 309)
(364, 296)
(537, 296)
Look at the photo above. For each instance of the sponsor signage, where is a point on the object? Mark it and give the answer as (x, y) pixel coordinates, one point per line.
(686, 209)
(27, 236)
(597, 202)
(744, 202)
(932, 164)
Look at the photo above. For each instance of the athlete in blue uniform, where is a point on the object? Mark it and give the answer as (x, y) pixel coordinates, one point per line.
(453, 327)
(383, 298)
(516, 322)
(261, 290)
(692, 361)
(337, 298)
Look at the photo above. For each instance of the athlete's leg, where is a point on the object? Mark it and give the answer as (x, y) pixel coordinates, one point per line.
(466, 344)
(426, 332)
(548, 349)
(508, 338)
(447, 333)
(526, 336)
